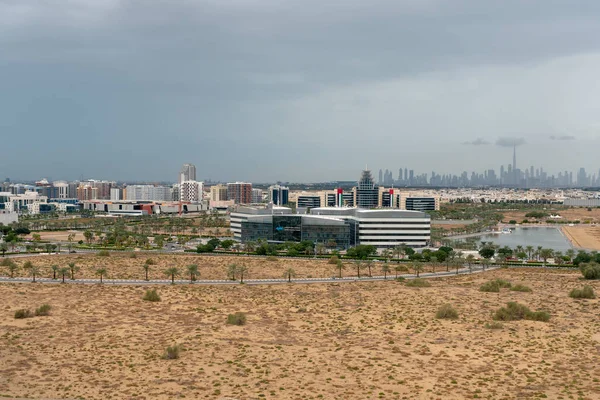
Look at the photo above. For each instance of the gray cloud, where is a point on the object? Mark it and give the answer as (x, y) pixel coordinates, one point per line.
(289, 81)
(477, 142)
(564, 137)
(510, 141)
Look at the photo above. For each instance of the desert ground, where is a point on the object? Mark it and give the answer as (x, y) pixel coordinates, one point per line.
(584, 236)
(328, 341)
(61, 236)
(122, 266)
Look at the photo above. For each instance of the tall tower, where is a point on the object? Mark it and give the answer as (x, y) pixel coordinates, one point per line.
(514, 165)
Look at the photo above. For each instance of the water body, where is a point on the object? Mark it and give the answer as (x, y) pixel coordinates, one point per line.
(547, 237)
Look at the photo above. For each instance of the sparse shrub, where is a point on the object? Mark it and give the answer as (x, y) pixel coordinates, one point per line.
(43, 310)
(446, 312)
(172, 352)
(494, 286)
(333, 260)
(586, 293)
(103, 253)
(150, 261)
(239, 318)
(590, 270)
(520, 288)
(400, 279)
(494, 325)
(151, 295)
(132, 255)
(271, 258)
(23, 313)
(418, 283)
(515, 311)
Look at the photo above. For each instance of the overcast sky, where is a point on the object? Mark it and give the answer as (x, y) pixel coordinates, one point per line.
(266, 90)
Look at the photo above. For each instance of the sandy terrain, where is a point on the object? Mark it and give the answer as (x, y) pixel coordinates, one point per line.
(584, 236)
(332, 341)
(61, 236)
(122, 266)
(572, 214)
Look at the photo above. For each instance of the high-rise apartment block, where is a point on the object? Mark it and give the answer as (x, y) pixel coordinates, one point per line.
(191, 191)
(218, 192)
(148, 193)
(187, 173)
(239, 192)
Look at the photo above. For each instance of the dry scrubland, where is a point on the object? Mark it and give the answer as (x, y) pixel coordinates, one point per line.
(584, 236)
(122, 266)
(579, 213)
(332, 341)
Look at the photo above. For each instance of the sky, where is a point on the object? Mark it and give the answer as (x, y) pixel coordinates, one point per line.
(271, 90)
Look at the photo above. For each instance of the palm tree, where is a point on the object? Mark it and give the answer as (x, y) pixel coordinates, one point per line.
(146, 267)
(385, 268)
(54, 271)
(242, 269)
(434, 261)
(289, 274)
(539, 249)
(518, 249)
(358, 265)
(417, 267)
(400, 268)
(172, 272)
(570, 253)
(231, 271)
(470, 259)
(101, 272)
(529, 250)
(33, 270)
(458, 263)
(193, 271)
(72, 268)
(369, 264)
(485, 262)
(63, 271)
(3, 248)
(545, 254)
(339, 265)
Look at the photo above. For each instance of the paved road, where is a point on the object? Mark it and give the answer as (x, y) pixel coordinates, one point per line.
(462, 271)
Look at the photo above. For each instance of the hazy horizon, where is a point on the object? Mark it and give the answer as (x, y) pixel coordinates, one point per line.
(265, 91)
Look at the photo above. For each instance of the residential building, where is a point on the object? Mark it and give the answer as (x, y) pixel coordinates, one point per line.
(239, 192)
(218, 192)
(115, 194)
(87, 192)
(187, 173)
(191, 191)
(257, 196)
(148, 193)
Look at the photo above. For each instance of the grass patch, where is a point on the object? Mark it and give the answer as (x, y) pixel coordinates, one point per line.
(103, 253)
(239, 318)
(515, 312)
(494, 325)
(521, 288)
(172, 352)
(333, 260)
(418, 282)
(23, 313)
(494, 286)
(151, 295)
(132, 255)
(272, 258)
(400, 279)
(446, 312)
(586, 293)
(43, 310)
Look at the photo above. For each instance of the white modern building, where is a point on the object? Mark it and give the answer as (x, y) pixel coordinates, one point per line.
(29, 202)
(187, 173)
(191, 191)
(148, 193)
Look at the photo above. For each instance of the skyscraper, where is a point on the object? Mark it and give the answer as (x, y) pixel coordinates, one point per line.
(187, 173)
(367, 194)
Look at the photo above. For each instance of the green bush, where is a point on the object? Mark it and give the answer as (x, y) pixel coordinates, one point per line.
(520, 288)
(494, 325)
(400, 279)
(239, 318)
(23, 313)
(132, 255)
(515, 312)
(446, 312)
(151, 295)
(586, 293)
(172, 352)
(103, 253)
(271, 258)
(333, 260)
(43, 310)
(418, 282)
(590, 271)
(494, 286)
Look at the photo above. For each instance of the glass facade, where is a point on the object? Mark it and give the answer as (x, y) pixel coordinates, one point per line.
(420, 203)
(367, 193)
(287, 228)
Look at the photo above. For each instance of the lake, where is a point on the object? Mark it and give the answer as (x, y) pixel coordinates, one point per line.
(547, 237)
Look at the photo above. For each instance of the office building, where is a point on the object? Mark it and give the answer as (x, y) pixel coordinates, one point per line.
(239, 192)
(279, 195)
(366, 194)
(257, 196)
(148, 193)
(187, 173)
(420, 203)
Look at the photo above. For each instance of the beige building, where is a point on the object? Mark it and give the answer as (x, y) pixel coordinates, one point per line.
(218, 192)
